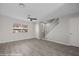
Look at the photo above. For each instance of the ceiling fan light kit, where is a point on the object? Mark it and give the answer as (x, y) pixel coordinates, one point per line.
(31, 18)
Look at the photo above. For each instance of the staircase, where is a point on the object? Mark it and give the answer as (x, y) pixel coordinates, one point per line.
(50, 26)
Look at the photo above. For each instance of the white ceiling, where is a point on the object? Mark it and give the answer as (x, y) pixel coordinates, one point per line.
(38, 10)
(66, 9)
(41, 11)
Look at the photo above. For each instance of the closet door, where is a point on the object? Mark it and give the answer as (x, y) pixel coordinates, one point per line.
(74, 32)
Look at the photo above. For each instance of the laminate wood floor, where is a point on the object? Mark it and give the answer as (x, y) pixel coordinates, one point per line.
(36, 47)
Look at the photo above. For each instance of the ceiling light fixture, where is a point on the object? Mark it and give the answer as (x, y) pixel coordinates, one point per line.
(21, 5)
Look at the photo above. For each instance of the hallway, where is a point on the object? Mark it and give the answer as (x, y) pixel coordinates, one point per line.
(35, 47)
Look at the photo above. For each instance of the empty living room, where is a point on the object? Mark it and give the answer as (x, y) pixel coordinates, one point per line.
(39, 29)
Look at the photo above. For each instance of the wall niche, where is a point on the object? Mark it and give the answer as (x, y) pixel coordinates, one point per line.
(18, 27)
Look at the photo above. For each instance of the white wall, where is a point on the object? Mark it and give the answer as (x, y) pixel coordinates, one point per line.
(67, 31)
(6, 34)
(37, 30)
(60, 33)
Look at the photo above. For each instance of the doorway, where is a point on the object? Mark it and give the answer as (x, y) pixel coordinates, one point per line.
(74, 32)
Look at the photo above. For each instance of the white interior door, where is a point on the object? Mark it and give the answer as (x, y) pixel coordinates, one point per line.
(74, 32)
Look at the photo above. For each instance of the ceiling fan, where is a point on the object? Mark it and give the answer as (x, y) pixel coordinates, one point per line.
(31, 18)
